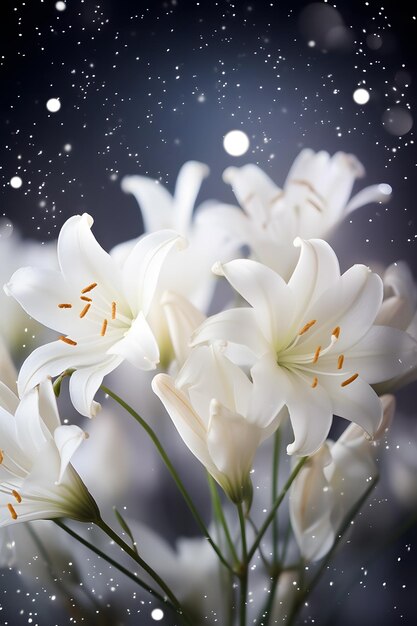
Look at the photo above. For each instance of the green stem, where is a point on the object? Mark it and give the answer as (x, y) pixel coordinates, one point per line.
(172, 471)
(308, 589)
(265, 614)
(275, 506)
(112, 562)
(243, 569)
(218, 511)
(275, 469)
(135, 556)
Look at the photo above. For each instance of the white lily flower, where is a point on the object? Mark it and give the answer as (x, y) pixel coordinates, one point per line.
(221, 416)
(316, 347)
(313, 200)
(399, 309)
(101, 310)
(331, 483)
(189, 274)
(36, 478)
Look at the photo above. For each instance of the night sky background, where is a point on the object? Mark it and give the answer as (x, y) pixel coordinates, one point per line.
(145, 86)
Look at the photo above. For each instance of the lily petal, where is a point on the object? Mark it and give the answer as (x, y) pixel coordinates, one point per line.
(138, 346)
(188, 184)
(374, 193)
(183, 319)
(85, 382)
(67, 439)
(156, 203)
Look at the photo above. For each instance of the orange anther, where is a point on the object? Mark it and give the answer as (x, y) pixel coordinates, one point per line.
(67, 340)
(340, 362)
(315, 382)
(307, 327)
(86, 299)
(89, 288)
(17, 496)
(85, 310)
(104, 328)
(64, 305)
(349, 380)
(12, 511)
(336, 332)
(316, 354)
(1, 457)
(113, 310)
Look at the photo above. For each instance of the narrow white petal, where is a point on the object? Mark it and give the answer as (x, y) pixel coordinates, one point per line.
(254, 190)
(39, 291)
(85, 382)
(235, 325)
(356, 402)
(374, 193)
(142, 267)
(67, 439)
(138, 346)
(183, 319)
(32, 434)
(265, 291)
(8, 372)
(232, 442)
(188, 424)
(310, 414)
(8, 400)
(156, 203)
(48, 408)
(83, 261)
(382, 354)
(268, 396)
(188, 184)
(317, 270)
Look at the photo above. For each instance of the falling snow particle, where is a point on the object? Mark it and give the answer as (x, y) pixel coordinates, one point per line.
(16, 182)
(67, 147)
(53, 105)
(60, 6)
(236, 142)
(361, 96)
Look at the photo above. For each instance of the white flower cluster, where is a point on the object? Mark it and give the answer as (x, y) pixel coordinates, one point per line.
(303, 341)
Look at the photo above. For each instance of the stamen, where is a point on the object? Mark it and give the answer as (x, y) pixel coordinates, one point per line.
(65, 306)
(315, 382)
(67, 340)
(306, 183)
(315, 205)
(17, 496)
(89, 288)
(12, 511)
(86, 299)
(113, 310)
(340, 362)
(104, 328)
(307, 327)
(336, 332)
(349, 380)
(316, 354)
(85, 310)
(1, 457)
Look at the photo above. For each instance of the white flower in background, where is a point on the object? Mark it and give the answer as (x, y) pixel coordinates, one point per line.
(399, 309)
(190, 273)
(316, 347)
(313, 200)
(36, 478)
(221, 416)
(16, 327)
(331, 483)
(100, 310)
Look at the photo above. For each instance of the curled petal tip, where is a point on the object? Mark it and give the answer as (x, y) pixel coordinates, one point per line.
(298, 242)
(215, 407)
(217, 269)
(181, 242)
(229, 174)
(86, 217)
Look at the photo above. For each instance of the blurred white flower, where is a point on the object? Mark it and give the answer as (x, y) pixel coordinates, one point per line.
(330, 483)
(190, 273)
(317, 348)
(100, 309)
(16, 327)
(36, 478)
(399, 309)
(313, 200)
(221, 416)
